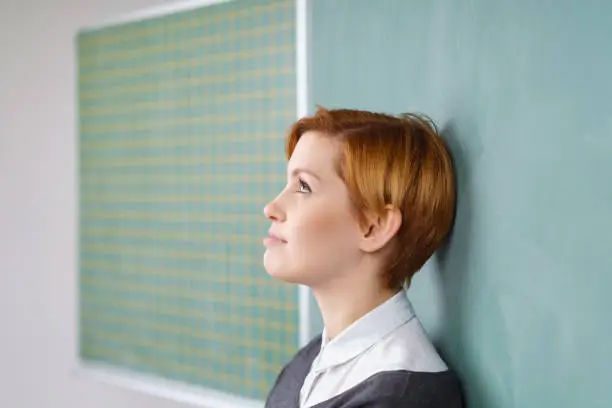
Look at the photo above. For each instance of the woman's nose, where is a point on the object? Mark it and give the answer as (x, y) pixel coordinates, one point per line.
(273, 211)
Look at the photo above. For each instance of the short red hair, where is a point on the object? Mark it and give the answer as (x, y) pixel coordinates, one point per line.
(399, 161)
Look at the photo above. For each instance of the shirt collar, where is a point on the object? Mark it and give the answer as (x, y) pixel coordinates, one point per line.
(365, 332)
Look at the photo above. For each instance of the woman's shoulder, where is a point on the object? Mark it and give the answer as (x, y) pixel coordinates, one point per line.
(401, 388)
(408, 348)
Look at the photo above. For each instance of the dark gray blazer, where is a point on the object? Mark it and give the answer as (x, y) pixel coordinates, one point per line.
(387, 389)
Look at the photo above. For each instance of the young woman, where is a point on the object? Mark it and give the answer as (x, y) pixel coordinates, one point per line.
(369, 198)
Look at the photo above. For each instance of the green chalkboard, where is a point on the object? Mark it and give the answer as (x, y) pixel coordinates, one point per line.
(519, 300)
(181, 127)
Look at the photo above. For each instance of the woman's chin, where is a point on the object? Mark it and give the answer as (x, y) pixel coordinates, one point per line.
(279, 270)
(281, 274)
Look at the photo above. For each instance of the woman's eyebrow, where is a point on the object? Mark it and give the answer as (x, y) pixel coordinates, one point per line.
(299, 170)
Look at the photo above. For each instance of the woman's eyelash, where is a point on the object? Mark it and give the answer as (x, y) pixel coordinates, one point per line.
(304, 187)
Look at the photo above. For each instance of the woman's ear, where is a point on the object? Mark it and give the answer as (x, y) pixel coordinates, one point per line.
(380, 228)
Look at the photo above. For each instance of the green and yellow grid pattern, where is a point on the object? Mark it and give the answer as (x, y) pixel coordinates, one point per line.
(181, 125)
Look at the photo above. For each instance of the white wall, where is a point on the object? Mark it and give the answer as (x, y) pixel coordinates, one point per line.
(37, 207)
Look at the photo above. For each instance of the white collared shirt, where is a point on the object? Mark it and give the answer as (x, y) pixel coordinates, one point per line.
(388, 338)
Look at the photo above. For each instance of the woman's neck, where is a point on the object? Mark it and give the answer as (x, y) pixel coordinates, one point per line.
(343, 304)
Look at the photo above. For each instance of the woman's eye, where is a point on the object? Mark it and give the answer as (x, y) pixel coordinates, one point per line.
(304, 187)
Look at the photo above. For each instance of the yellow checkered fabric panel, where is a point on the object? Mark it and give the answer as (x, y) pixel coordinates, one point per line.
(181, 126)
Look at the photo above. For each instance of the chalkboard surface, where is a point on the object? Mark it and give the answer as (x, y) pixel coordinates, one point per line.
(520, 299)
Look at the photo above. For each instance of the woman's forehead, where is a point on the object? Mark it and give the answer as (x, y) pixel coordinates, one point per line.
(315, 152)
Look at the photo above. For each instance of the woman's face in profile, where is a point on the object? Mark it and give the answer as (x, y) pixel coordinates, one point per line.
(314, 232)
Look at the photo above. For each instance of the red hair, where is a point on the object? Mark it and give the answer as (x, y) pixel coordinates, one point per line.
(399, 161)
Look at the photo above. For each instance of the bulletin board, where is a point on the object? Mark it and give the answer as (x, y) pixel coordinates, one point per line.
(181, 126)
